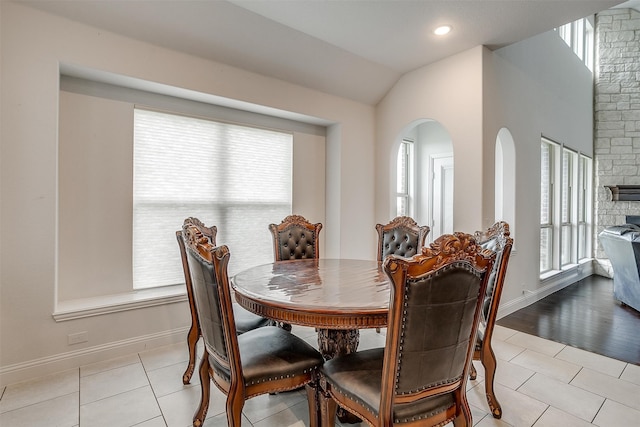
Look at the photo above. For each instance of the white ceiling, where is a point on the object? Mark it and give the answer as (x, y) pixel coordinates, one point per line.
(351, 48)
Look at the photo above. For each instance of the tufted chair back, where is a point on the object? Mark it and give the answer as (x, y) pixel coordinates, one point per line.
(402, 237)
(295, 238)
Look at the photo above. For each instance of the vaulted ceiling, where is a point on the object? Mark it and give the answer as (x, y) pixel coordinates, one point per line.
(354, 49)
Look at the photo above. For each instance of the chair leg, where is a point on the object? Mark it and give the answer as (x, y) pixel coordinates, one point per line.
(192, 341)
(488, 359)
(314, 408)
(205, 389)
(473, 374)
(328, 409)
(463, 417)
(235, 403)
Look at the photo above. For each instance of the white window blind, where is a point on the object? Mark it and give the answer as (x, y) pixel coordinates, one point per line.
(235, 177)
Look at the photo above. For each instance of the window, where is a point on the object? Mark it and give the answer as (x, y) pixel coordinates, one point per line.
(579, 36)
(546, 206)
(568, 202)
(233, 176)
(585, 173)
(564, 207)
(404, 200)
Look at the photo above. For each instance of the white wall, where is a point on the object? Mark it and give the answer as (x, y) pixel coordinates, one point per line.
(34, 44)
(449, 92)
(534, 87)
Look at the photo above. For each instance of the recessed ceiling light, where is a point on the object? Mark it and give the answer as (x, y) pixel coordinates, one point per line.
(442, 30)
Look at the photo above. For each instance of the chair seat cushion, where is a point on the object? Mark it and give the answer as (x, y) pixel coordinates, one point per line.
(270, 352)
(246, 320)
(359, 377)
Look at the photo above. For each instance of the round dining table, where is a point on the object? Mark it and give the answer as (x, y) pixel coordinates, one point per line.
(336, 296)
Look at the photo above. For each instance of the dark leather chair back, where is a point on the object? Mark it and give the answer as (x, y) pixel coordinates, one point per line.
(212, 296)
(244, 320)
(295, 238)
(402, 237)
(441, 288)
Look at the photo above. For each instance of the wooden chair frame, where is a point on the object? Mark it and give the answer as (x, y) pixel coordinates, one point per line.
(483, 351)
(234, 387)
(208, 234)
(445, 250)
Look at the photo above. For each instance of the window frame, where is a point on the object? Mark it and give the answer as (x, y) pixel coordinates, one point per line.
(546, 227)
(569, 215)
(405, 178)
(579, 35)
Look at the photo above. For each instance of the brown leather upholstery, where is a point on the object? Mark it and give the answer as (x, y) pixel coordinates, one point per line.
(496, 238)
(263, 360)
(402, 236)
(419, 377)
(295, 238)
(245, 320)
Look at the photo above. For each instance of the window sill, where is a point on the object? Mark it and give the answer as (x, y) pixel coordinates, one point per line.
(97, 306)
(566, 270)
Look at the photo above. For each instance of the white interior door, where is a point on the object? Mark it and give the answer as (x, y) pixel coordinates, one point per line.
(441, 195)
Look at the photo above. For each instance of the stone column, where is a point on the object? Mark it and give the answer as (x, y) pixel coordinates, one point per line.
(617, 119)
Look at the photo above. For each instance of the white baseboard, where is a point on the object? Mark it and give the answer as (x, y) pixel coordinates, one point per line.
(550, 285)
(24, 371)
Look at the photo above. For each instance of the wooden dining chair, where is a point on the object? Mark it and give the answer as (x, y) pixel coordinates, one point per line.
(245, 320)
(498, 239)
(419, 377)
(402, 236)
(295, 238)
(260, 361)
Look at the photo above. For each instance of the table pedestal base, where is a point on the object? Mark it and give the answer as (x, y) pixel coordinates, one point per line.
(337, 342)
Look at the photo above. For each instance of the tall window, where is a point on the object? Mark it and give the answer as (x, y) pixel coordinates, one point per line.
(232, 176)
(564, 207)
(546, 206)
(568, 203)
(579, 36)
(404, 201)
(585, 174)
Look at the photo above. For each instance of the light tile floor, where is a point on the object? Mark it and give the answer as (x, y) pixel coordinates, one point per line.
(539, 383)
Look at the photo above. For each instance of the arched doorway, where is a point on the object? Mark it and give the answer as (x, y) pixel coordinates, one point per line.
(424, 176)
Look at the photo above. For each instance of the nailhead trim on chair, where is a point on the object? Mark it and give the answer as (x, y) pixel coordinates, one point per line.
(404, 319)
(431, 414)
(264, 380)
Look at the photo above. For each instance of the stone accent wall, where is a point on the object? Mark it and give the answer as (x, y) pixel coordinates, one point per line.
(617, 118)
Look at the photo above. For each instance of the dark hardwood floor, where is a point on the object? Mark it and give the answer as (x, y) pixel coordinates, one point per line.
(583, 315)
